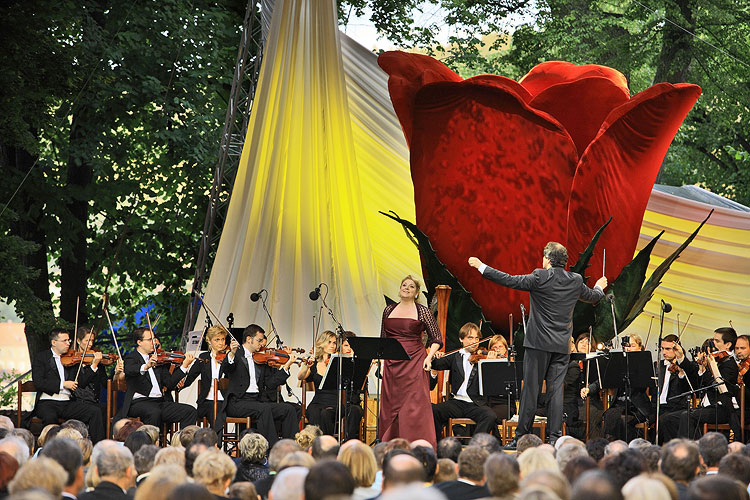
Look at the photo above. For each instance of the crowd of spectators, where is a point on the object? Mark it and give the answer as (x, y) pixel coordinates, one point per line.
(61, 463)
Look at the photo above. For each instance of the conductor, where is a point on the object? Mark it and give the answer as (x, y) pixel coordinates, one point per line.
(553, 295)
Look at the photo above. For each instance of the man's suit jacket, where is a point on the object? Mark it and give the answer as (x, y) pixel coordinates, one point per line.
(459, 490)
(203, 369)
(677, 385)
(729, 372)
(454, 363)
(47, 379)
(141, 383)
(554, 293)
(105, 491)
(239, 376)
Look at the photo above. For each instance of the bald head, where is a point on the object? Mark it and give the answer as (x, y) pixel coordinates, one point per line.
(402, 469)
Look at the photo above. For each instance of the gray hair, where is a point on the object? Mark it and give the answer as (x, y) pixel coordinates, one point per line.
(289, 483)
(114, 461)
(253, 447)
(568, 452)
(281, 449)
(556, 253)
(615, 447)
(15, 447)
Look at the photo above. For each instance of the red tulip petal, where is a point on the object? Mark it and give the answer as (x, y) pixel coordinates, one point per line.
(617, 172)
(581, 106)
(491, 179)
(546, 74)
(409, 73)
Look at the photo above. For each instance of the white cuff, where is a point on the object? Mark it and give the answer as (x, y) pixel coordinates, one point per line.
(482, 268)
(143, 368)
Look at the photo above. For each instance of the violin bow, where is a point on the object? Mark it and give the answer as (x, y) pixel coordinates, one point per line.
(203, 302)
(151, 329)
(645, 344)
(112, 330)
(684, 327)
(470, 345)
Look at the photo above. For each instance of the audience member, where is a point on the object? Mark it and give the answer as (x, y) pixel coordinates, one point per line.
(306, 436)
(595, 485)
(252, 465)
(160, 484)
(401, 468)
(426, 455)
(567, 452)
(174, 455)
(324, 447)
(124, 428)
(527, 441)
(624, 465)
(470, 482)
(596, 447)
(187, 434)
(736, 466)
(447, 470)
(191, 454)
(8, 469)
(27, 437)
(192, 491)
(716, 487)
(41, 472)
(712, 447)
(639, 444)
(280, 449)
(206, 436)
(6, 423)
(501, 472)
(577, 466)
(297, 459)
(645, 488)
(680, 462)
(66, 452)
(449, 447)
(668, 483)
(550, 479)
(736, 446)
(143, 460)
(243, 490)
(486, 441)
(328, 478)
(215, 470)
(137, 439)
(360, 460)
(114, 466)
(72, 423)
(152, 431)
(615, 447)
(652, 454)
(289, 485)
(15, 447)
(534, 459)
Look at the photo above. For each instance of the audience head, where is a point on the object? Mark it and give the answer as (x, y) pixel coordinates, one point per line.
(6, 423)
(328, 478)
(615, 447)
(161, 482)
(449, 447)
(471, 463)
(152, 431)
(253, 448)
(191, 454)
(245, 490)
(297, 459)
(427, 456)
(206, 436)
(645, 488)
(716, 487)
(652, 454)
(187, 434)
(41, 472)
(577, 466)
(282, 448)
(400, 467)
(527, 441)
(214, 469)
(501, 472)
(360, 460)
(595, 485)
(124, 428)
(569, 451)
(66, 452)
(72, 423)
(49, 432)
(486, 441)
(736, 466)
(639, 444)
(143, 459)
(447, 470)
(736, 446)
(191, 491)
(15, 447)
(306, 436)
(115, 464)
(379, 451)
(289, 484)
(680, 460)
(137, 439)
(8, 469)
(549, 479)
(596, 447)
(324, 447)
(174, 455)
(535, 459)
(624, 465)
(712, 447)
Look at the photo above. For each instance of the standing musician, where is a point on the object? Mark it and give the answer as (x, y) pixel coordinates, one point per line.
(208, 368)
(464, 401)
(715, 406)
(553, 293)
(55, 385)
(145, 378)
(91, 392)
(246, 381)
(673, 375)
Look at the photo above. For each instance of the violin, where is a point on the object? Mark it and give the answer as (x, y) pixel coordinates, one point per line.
(272, 357)
(221, 355)
(73, 357)
(172, 357)
(484, 354)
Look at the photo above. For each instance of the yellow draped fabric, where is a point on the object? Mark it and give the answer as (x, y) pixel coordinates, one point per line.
(324, 153)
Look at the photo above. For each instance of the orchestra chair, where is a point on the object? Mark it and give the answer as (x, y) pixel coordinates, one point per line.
(447, 431)
(114, 387)
(230, 441)
(27, 386)
(726, 427)
(508, 428)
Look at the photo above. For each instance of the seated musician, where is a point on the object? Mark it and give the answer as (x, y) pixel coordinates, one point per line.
(742, 352)
(504, 406)
(323, 408)
(246, 381)
(639, 404)
(354, 409)
(717, 404)
(465, 401)
(146, 378)
(675, 375)
(208, 367)
(55, 385)
(91, 392)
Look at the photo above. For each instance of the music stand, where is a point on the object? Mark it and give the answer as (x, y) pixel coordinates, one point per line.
(380, 348)
(626, 370)
(498, 377)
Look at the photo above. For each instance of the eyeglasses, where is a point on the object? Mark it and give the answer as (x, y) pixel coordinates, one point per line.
(67, 341)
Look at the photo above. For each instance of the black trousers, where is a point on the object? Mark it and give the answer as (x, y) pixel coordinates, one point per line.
(51, 411)
(537, 367)
(619, 425)
(692, 426)
(262, 416)
(155, 411)
(484, 416)
(324, 416)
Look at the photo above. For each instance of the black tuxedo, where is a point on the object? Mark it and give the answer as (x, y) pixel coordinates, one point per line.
(477, 410)
(202, 368)
(553, 294)
(459, 490)
(240, 403)
(670, 412)
(47, 380)
(150, 410)
(105, 491)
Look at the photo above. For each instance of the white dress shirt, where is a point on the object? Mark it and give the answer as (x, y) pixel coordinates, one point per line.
(64, 394)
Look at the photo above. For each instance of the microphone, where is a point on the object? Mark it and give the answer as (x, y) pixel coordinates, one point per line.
(256, 296)
(666, 306)
(315, 294)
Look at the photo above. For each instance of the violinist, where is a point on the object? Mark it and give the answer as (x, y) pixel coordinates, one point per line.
(465, 401)
(146, 378)
(742, 352)
(322, 409)
(503, 406)
(718, 404)
(91, 392)
(209, 370)
(675, 375)
(55, 385)
(574, 379)
(246, 381)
